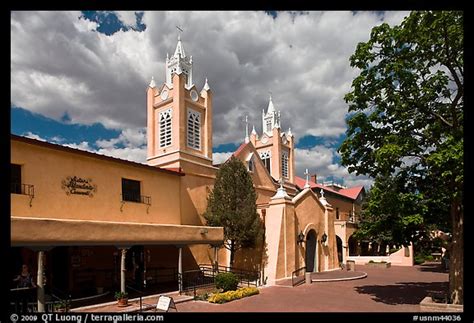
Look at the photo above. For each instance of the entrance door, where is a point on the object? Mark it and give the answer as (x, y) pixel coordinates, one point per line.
(311, 258)
(339, 249)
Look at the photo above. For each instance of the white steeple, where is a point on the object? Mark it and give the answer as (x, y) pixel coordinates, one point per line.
(152, 83)
(253, 131)
(206, 86)
(270, 119)
(179, 63)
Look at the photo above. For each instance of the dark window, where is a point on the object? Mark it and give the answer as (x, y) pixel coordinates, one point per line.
(130, 190)
(337, 213)
(15, 179)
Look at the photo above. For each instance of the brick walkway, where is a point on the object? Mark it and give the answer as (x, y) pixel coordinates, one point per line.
(394, 289)
(148, 303)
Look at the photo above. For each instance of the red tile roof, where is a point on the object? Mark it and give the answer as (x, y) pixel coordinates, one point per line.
(351, 193)
(241, 147)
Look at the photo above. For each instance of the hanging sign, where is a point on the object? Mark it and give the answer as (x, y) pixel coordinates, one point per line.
(78, 186)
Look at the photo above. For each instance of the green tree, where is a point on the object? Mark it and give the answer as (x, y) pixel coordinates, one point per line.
(406, 117)
(391, 213)
(232, 205)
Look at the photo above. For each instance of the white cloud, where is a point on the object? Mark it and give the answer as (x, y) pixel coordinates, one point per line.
(59, 65)
(218, 158)
(33, 136)
(127, 18)
(319, 160)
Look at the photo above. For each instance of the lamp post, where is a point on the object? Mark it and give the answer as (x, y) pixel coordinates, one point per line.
(324, 238)
(300, 238)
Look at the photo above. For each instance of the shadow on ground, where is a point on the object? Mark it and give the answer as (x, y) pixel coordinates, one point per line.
(403, 293)
(434, 267)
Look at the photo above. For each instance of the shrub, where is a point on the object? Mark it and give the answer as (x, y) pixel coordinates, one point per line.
(121, 295)
(371, 261)
(227, 281)
(232, 295)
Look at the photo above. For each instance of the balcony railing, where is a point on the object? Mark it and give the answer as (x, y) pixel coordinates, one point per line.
(136, 198)
(25, 189)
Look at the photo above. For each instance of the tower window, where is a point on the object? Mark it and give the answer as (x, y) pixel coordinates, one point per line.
(265, 157)
(284, 164)
(251, 165)
(165, 128)
(337, 213)
(269, 124)
(194, 129)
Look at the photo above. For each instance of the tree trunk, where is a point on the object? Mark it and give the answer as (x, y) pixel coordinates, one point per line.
(456, 259)
(232, 253)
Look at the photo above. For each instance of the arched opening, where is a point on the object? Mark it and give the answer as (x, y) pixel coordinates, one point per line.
(352, 243)
(311, 258)
(339, 249)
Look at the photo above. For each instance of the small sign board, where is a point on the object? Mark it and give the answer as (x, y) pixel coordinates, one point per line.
(165, 303)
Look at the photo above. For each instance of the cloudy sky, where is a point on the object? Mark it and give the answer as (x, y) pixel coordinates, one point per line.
(79, 78)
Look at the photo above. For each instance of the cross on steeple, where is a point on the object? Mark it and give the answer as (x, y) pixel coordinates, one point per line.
(180, 30)
(306, 185)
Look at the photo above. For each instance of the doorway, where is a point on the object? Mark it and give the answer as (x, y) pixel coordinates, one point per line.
(311, 258)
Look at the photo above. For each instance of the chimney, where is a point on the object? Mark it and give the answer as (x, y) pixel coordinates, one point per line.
(314, 178)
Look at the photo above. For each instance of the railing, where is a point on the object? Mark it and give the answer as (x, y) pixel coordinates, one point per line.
(205, 277)
(23, 300)
(248, 277)
(139, 292)
(128, 197)
(25, 189)
(295, 276)
(160, 274)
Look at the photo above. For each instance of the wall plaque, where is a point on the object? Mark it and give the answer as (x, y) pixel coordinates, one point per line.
(79, 186)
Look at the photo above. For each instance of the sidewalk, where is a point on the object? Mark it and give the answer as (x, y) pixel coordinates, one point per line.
(148, 304)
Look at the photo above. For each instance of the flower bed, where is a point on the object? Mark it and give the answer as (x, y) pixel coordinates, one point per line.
(233, 295)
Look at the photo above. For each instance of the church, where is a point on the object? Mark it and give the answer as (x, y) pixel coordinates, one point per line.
(87, 223)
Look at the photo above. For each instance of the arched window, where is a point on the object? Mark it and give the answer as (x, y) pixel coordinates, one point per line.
(284, 164)
(194, 129)
(165, 128)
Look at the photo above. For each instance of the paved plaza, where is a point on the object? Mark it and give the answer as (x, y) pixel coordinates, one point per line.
(395, 289)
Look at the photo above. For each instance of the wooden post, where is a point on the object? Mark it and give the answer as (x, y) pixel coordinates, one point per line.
(123, 270)
(180, 268)
(40, 282)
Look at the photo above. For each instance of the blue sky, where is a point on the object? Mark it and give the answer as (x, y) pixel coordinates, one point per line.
(86, 75)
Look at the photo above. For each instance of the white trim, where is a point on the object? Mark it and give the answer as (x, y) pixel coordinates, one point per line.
(178, 151)
(165, 130)
(193, 129)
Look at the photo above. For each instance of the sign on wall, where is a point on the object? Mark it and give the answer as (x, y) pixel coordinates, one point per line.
(79, 186)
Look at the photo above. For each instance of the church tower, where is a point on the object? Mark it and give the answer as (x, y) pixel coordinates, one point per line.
(179, 118)
(276, 148)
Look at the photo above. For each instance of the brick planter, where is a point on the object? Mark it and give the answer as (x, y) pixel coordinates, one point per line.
(379, 264)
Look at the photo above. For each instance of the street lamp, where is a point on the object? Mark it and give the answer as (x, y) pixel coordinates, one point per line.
(324, 237)
(300, 238)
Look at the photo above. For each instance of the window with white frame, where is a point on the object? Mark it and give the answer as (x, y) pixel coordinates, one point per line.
(194, 129)
(265, 157)
(269, 124)
(250, 163)
(165, 128)
(284, 164)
